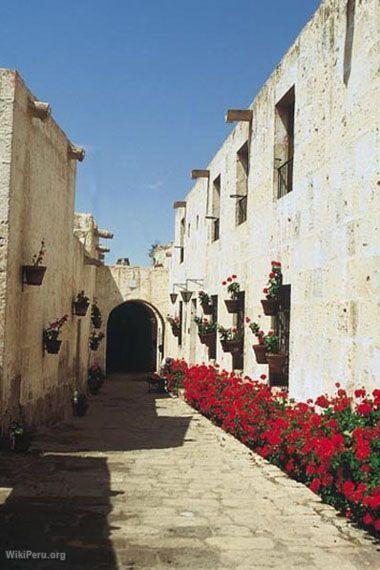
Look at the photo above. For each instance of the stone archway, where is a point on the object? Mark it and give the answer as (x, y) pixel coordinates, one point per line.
(134, 338)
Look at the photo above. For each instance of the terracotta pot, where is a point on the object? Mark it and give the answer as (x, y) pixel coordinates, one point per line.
(276, 362)
(207, 338)
(206, 308)
(270, 307)
(34, 274)
(20, 442)
(80, 308)
(232, 305)
(233, 346)
(175, 331)
(80, 405)
(52, 346)
(260, 353)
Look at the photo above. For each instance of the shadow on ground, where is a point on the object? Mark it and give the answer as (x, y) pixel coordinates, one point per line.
(60, 498)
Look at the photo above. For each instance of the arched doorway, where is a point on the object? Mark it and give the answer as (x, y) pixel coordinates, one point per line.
(132, 338)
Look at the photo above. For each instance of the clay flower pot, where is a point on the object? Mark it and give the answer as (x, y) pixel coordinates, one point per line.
(270, 307)
(232, 305)
(206, 308)
(34, 274)
(20, 443)
(260, 353)
(232, 346)
(207, 338)
(276, 362)
(175, 331)
(52, 346)
(80, 405)
(80, 308)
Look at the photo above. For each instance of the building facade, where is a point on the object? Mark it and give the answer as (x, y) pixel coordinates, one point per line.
(296, 181)
(37, 192)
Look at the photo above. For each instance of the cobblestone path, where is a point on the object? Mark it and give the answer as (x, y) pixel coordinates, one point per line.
(145, 482)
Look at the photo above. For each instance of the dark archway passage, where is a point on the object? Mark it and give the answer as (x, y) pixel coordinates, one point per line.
(132, 338)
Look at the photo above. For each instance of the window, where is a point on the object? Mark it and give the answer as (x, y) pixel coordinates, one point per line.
(281, 327)
(242, 167)
(216, 188)
(284, 143)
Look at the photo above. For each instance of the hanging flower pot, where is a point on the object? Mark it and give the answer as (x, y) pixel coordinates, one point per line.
(206, 302)
(270, 306)
(52, 346)
(272, 290)
(232, 346)
(260, 353)
(81, 304)
(175, 325)
(206, 308)
(34, 274)
(276, 362)
(80, 404)
(186, 295)
(95, 339)
(173, 297)
(207, 338)
(96, 316)
(233, 288)
(232, 305)
(20, 438)
(50, 335)
(95, 379)
(176, 330)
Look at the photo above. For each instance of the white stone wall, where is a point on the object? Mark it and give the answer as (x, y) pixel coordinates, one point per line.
(117, 284)
(37, 201)
(325, 232)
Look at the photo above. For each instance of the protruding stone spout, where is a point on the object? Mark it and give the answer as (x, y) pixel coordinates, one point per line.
(39, 109)
(75, 152)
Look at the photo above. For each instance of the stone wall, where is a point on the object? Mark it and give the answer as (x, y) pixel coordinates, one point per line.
(37, 202)
(324, 232)
(117, 284)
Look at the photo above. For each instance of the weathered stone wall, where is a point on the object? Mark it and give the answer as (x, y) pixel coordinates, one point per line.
(117, 284)
(37, 194)
(324, 232)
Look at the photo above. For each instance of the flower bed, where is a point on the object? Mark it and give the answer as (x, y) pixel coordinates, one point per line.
(332, 444)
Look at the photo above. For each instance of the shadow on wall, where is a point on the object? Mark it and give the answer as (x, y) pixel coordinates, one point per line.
(62, 503)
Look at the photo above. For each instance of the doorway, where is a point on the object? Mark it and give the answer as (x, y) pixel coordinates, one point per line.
(132, 338)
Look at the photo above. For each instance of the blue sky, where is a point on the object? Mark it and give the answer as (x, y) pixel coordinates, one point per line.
(144, 86)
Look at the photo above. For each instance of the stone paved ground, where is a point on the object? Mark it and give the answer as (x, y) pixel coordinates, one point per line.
(145, 482)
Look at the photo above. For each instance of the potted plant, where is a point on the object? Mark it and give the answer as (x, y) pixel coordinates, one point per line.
(50, 335)
(206, 330)
(260, 348)
(95, 379)
(270, 304)
(175, 324)
(81, 304)
(206, 302)
(19, 437)
(276, 360)
(80, 404)
(34, 273)
(96, 316)
(231, 339)
(95, 339)
(233, 289)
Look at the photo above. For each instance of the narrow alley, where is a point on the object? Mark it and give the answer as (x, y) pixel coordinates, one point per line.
(144, 481)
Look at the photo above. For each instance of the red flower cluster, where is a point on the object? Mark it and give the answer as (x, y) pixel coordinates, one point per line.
(332, 445)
